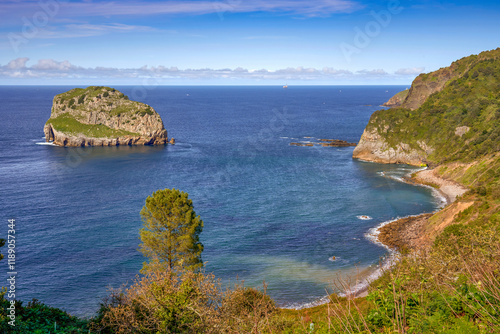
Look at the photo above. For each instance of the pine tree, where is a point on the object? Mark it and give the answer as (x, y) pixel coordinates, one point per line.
(170, 234)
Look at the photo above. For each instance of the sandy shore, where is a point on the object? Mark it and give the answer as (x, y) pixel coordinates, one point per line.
(450, 189)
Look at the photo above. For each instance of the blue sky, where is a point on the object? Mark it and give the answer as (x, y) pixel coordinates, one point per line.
(236, 42)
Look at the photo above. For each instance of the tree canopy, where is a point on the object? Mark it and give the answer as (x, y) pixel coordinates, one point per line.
(170, 234)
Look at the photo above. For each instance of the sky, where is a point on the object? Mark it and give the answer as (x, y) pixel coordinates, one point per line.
(237, 42)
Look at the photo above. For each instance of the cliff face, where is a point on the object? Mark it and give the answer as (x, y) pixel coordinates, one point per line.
(448, 115)
(373, 147)
(102, 116)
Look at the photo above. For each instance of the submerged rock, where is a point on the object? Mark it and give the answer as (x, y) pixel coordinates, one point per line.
(325, 143)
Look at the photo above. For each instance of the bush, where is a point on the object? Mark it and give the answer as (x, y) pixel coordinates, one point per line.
(81, 99)
(37, 317)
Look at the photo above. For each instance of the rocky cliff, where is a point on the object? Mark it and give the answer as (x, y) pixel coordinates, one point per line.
(102, 116)
(450, 114)
(373, 147)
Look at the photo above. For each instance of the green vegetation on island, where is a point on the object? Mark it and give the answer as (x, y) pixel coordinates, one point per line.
(67, 124)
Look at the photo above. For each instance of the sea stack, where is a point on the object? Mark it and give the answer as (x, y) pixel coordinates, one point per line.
(102, 116)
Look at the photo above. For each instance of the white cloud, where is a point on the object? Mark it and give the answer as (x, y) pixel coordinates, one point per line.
(18, 63)
(53, 65)
(378, 72)
(410, 71)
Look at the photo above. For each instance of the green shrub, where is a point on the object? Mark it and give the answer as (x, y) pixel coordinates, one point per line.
(81, 99)
(38, 318)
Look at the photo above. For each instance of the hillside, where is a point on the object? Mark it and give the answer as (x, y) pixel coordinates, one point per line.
(449, 115)
(450, 122)
(102, 116)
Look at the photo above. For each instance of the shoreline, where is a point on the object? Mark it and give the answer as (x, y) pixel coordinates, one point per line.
(401, 234)
(407, 233)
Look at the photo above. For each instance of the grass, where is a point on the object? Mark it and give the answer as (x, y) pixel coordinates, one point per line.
(69, 125)
(402, 95)
(90, 92)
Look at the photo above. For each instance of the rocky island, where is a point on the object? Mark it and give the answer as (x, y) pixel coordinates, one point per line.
(102, 116)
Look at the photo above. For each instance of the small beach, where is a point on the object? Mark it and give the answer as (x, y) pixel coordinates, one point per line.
(408, 233)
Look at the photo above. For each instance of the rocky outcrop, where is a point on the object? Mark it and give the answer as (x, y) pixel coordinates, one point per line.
(73, 140)
(102, 116)
(325, 143)
(461, 130)
(373, 147)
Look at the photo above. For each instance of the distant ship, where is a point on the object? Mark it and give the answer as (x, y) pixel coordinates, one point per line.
(285, 86)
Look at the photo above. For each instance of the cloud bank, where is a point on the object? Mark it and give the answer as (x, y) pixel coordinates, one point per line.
(50, 68)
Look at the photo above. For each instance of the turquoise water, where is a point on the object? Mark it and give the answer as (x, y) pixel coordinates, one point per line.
(272, 212)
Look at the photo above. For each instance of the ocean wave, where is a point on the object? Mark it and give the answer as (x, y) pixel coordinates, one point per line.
(389, 261)
(364, 217)
(441, 200)
(300, 306)
(46, 144)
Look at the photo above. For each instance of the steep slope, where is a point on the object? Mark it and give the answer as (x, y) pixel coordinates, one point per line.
(449, 115)
(102, 116)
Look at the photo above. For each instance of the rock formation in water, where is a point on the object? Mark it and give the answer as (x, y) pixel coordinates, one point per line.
(102, 116)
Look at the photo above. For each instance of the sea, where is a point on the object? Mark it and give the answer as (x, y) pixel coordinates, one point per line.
(294, 220)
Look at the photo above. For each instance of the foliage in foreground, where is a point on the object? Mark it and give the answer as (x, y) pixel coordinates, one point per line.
(187, 302)
(38, 318)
